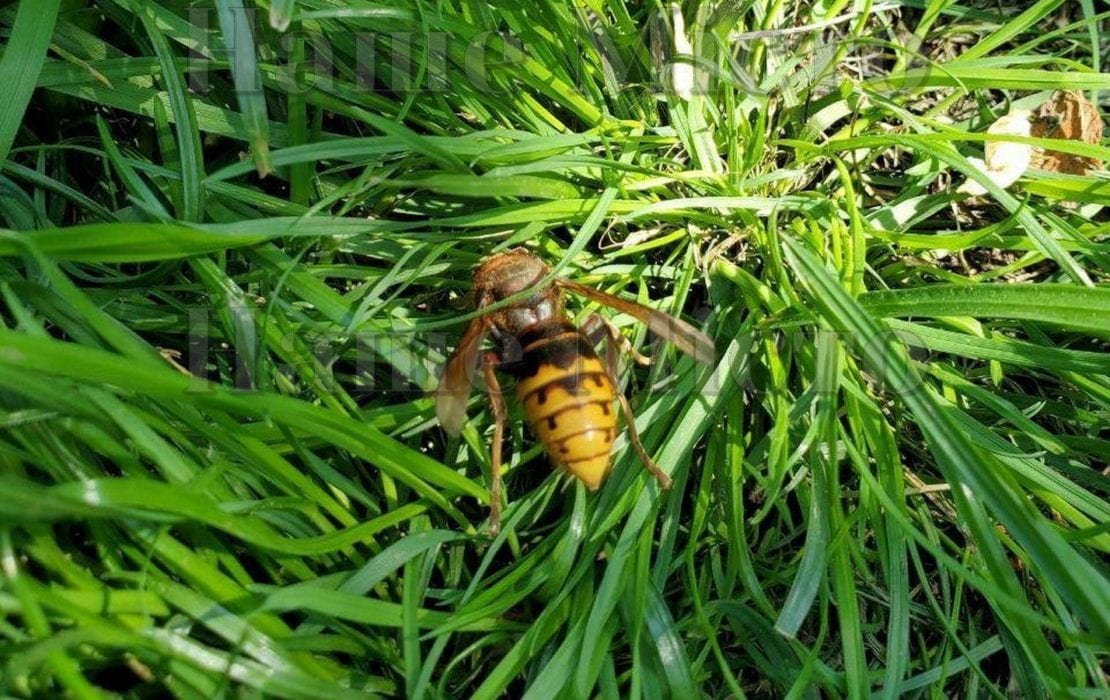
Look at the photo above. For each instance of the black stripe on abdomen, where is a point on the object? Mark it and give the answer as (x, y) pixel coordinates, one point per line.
(555, 344)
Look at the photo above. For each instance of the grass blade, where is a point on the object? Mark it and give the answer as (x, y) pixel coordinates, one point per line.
(23, 58)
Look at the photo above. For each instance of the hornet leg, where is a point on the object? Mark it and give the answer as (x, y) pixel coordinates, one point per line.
(596, 327)
(493, 388)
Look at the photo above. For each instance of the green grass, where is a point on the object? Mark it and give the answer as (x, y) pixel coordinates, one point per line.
(892, 482)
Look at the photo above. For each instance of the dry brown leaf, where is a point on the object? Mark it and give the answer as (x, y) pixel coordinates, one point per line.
(1067, 115)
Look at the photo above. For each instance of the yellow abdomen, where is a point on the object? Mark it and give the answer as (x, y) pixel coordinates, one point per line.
(568, 402)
